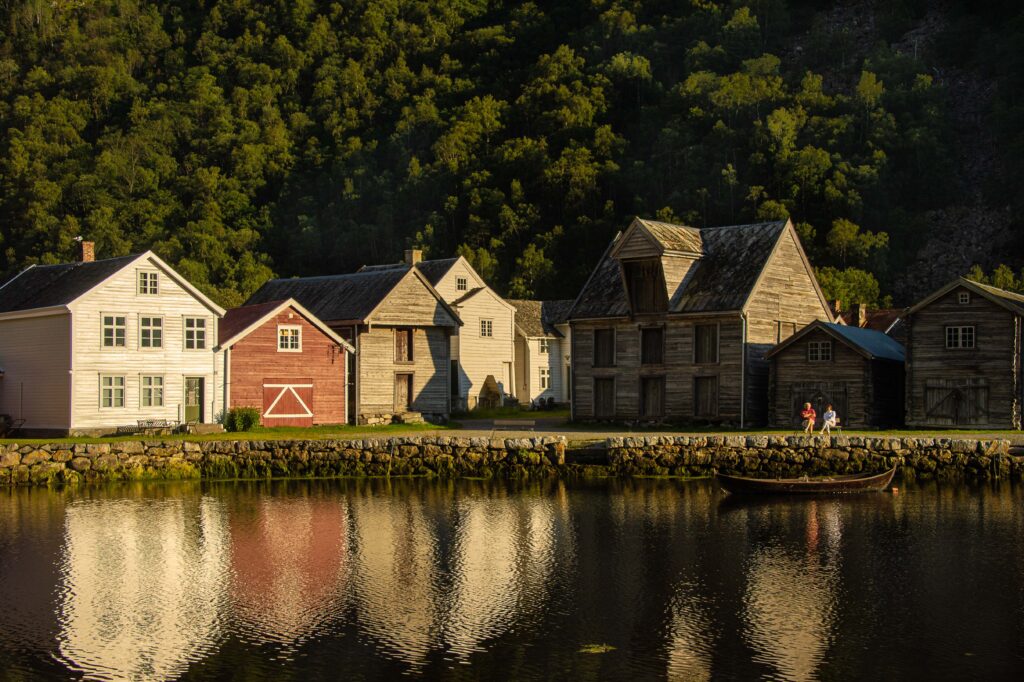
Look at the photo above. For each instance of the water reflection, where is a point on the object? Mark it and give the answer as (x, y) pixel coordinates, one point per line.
(142, 585)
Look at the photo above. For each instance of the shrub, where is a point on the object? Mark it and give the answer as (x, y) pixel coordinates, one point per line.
(242, 419)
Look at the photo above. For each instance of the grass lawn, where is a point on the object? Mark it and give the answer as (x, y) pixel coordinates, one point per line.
(513, 413)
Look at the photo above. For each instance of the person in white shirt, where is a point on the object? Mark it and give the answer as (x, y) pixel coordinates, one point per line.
(828, 420)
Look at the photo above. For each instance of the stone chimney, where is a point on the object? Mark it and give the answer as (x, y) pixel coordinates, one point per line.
(860, 314)
(413, 256)
(88, 251)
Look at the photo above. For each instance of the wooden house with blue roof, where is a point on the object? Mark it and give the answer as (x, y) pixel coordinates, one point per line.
(858, 371)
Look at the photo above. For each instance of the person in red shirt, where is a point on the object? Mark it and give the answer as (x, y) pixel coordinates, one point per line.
(809, 415)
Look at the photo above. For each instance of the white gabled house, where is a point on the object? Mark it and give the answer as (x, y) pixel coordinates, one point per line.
(543, 350)
(90, 346)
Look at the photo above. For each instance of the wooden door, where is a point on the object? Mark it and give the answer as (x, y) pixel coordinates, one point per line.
(705, 396)
(194, 390)
(604, 398)
(956, 402)
(403, 392)
(652, 397)
(287, 402)
(820, 394)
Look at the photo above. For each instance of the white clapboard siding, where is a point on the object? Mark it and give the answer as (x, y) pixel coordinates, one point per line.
(533, 362)
(35, 354)
(119, 295)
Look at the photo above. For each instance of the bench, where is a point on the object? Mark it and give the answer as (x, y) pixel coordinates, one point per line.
(147, 427)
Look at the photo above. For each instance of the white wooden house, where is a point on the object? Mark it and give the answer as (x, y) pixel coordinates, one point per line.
(543, 345)
(484, 345)
(90, 346)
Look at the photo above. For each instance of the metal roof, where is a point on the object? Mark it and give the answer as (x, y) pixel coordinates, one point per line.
(871, 343)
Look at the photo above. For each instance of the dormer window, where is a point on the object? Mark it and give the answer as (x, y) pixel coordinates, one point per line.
(646, 286)
(149, 283)
(461, 283)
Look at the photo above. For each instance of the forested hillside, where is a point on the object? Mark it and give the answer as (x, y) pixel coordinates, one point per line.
(245, 138)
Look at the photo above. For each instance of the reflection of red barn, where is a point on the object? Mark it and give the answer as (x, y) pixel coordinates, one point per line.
(284, 361)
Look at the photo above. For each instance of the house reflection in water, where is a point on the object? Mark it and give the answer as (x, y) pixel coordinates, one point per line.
(689, 643)
(290, 563)
(791, 596)
(142, 585)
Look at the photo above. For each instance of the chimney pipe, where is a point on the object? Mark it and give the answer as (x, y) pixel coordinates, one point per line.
(413, 256)
(88, 252)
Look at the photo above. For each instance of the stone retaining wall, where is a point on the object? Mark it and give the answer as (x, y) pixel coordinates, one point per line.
(57, 463)
(784, 456)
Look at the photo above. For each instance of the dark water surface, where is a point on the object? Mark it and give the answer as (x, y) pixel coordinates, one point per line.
(370, 579)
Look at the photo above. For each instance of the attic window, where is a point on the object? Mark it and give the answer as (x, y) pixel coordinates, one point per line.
(963, 298)
(545, 346)
(461, 283)
(646, 287)
(149, 283)
(819, 351)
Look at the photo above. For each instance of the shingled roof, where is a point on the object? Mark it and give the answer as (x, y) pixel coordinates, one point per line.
(538, 318)
(722, 278)
(45, 286)
(433, 270)
(335, 297)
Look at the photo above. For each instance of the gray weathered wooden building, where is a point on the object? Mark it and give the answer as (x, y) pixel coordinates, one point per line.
(674, 322)
(858, 371)
(964, 358)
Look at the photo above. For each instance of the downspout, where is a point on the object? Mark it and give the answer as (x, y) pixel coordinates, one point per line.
(572, 372)
(743, 372)
(344, 382)
(227, 380)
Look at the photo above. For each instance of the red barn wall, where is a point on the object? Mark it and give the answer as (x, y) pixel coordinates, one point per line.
(256, 358)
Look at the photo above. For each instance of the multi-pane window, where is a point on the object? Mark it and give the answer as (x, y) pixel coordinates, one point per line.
(819, 351)
(289, 339)
(545, 378)
(149, 282)
(114, 331)
(152, 391)
(403, 345)
(959, 337)
(652, 345)
(604, 348)
(461, 283)
(486, 328)
(705, 343)
(151, 332)
(545, 346)
(195, 333)
(963, 298)
(111, 391)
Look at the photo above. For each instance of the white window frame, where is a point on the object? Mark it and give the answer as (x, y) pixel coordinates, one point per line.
(963, 298)
(114, 326)
(961, 337)
(819, 351)
(113, 391)
(151, 327)
(487, 328)
(195, 330)
(545, 346)
(152, 388)
(289, 328)
(462, 284)
(545, 378)
(147, 283)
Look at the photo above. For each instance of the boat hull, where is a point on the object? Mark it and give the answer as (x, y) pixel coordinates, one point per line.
(855, 483)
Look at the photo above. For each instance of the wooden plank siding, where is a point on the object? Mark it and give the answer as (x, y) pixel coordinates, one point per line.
(530, 361)
(993, 365)
(256, 358)
(410, 303)
(786, 293)
(35, 354)
(377, 370)
(678, 367)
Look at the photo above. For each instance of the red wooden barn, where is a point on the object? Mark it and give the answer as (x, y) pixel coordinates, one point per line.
(280, 358)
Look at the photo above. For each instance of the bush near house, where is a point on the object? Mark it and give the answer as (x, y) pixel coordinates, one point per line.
(242, 419)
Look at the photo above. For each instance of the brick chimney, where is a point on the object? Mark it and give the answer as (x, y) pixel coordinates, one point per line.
(88, 251)
(860, 314)
(413, 256)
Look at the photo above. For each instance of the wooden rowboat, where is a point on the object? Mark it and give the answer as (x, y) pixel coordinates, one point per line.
(852, 483)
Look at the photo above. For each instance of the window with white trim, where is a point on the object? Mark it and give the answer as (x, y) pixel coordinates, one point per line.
(545, 346)
(111, 391)
(461, 283)
(289, 339)
(819, 351)
(114, 331)
(963, 298)
(486, 328)
(151, 332)
(545, 378)
(195, 333)
(152, 391)
(959, 337)
(149, 283)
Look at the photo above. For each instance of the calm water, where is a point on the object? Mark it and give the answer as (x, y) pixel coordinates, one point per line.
(481, 580)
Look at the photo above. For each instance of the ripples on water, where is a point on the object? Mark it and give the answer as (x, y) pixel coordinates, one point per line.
(375, 579)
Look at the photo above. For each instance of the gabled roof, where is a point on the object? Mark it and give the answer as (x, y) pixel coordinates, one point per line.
(537, 319)
(671, 237)
(240, 322)
(353, 297)
(880, 319)
(722, 279)
(434, 270)
(1007, 299)
(47, 286)
(868, 342)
